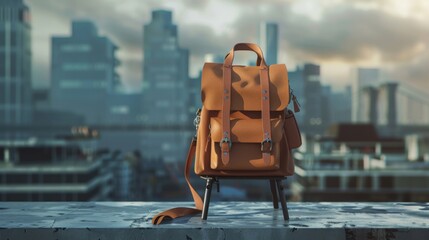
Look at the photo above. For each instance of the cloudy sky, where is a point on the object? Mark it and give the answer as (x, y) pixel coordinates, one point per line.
(337, 34)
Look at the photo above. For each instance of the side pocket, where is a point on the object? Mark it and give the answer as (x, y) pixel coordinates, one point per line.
(292, 133)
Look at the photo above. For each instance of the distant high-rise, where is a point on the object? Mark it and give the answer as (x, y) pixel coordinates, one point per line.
(362, 77)
(387, 104)
(412, 105)
(83, 72)
(166, 99)
(313, 97)
(15, 63)
(269, 41)
(368, 103)
(296, 82)
(340, 103)
(306, 86)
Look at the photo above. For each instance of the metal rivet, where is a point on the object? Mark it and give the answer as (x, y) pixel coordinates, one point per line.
(225, 91)
(265, 98)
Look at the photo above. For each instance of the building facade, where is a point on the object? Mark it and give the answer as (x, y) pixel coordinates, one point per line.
(368, 103)
(313, 98)
(361, 78)
(341, 104)
(269, 41)
(354, 164)
(15, 63)
(83, 72)
(166, 100)
(55, 170)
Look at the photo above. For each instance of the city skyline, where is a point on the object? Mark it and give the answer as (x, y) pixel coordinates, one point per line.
(145, 135)
(401, 52)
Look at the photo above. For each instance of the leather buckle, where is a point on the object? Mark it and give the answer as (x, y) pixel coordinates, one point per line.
(266, 140)
(225, 140)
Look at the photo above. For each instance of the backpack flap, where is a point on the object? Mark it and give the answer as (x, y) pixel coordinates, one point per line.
(245, 87)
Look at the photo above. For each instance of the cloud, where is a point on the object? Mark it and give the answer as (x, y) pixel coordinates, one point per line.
(343, 30)
(120, 21)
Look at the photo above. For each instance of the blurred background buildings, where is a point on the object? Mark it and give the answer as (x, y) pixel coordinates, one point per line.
(15, 64)
(88, 138)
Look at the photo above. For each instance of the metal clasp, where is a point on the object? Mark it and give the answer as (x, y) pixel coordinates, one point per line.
(197, 118)
(225, 140)
(267, 140)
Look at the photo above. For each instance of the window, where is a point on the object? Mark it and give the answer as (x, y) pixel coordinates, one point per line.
(2, 93)
(164, 84)
(332, 182)
(2, 37)
(386, 182)
(75, 66)
(13, 64)
(13, 38)
(314, 78)
(120, 110)
(76, 48)
(100, 66)
(2, 64)
(70, 84)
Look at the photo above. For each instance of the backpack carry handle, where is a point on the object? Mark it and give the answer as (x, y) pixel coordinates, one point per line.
(229, 58)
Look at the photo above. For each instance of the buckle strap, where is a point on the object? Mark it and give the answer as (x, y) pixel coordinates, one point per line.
(264, 143)
(226, 112)
(181, 211)
(265, 107)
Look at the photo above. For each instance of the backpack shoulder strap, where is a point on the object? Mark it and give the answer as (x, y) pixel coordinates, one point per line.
(182, 211)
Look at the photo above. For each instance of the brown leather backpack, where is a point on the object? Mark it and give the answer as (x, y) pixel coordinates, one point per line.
(244, 128)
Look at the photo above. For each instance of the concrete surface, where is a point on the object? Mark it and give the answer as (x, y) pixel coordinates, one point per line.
(227, 220)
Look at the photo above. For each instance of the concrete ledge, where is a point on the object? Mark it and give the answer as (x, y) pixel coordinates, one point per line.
(231, 220)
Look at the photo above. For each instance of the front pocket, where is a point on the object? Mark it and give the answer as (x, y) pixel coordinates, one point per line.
(246, 138)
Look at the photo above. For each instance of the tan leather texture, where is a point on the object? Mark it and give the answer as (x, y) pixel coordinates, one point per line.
(203, 156)
(245, 87)
(245, 128)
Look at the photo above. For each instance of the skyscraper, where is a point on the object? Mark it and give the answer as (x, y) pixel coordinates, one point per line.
(296, 82)
(83, 72)
(313, 98)
(362, 77)
(15, 63)
(340, 103)
(165, 92)
(306, 86)
(387, 104)
(269, 41)
(368, 102)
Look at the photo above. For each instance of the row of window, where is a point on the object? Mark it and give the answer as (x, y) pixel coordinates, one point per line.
(366, 182)
(48, 178)
(10, 14)
(50, 196)
(75, 48)
(84, 66)
(70, 84)
(16, 65)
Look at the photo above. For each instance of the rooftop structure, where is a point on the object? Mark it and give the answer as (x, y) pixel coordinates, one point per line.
(54, 170)
(353, 163)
